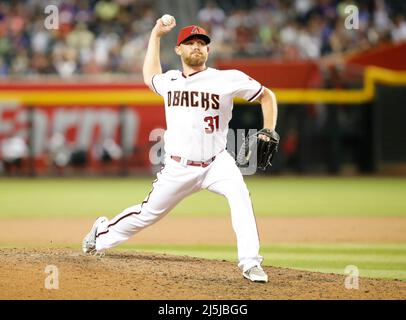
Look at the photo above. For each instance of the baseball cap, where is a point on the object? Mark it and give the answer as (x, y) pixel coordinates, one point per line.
(192, 31)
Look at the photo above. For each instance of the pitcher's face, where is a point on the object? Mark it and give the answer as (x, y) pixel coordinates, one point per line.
(193, 52)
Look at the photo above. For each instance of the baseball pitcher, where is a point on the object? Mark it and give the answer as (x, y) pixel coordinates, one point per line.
(198, 108)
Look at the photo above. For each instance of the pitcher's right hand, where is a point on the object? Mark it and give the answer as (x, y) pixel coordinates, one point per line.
(160, 29)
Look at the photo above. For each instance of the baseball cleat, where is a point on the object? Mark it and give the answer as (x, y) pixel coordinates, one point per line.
(256, 274)
(89, 242)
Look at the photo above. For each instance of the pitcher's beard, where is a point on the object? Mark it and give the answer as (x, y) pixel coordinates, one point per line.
(195, 60)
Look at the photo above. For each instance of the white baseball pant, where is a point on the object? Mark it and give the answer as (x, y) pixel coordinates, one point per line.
(176, 181)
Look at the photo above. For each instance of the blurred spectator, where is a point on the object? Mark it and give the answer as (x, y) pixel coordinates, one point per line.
(13, 151)
(107, 9)
(302, 7)
(98, 36)
(382, 21)
(110, 36)
(59, 152)
(211, 14)
(3, 67)
(65, 60)
(289, 33)
(78, 158)
(307, 29)
(212, 17)
(399, 30)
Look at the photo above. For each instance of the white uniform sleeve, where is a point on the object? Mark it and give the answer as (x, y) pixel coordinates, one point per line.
(158, 83)
(245, 87)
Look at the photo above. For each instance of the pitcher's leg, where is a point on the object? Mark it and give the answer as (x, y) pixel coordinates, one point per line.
(243, 221)
(121, 227)
(167, 191)
(225, 178)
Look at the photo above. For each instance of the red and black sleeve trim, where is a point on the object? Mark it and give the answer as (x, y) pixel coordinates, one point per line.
(152, 82)
(256, 95)
(131, 213)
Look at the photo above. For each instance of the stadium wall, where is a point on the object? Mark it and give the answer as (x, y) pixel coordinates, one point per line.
(319, 130)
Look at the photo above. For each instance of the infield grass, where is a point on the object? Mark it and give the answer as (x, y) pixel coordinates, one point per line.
(276, 196)
(372, 260)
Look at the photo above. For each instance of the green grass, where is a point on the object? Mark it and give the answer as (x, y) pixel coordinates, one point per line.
(372, 260)
(276, 196)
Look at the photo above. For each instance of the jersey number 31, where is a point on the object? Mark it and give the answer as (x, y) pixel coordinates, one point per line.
(212, 124)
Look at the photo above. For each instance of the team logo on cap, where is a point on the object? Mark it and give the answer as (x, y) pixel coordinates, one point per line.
(195, 30)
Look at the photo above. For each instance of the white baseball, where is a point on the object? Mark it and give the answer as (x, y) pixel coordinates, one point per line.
(167, 19)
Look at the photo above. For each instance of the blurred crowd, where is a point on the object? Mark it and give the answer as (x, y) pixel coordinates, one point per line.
(93, 37)
(110, 36)
(301, 29)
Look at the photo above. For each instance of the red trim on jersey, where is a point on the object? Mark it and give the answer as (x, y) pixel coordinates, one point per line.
(192, 74)
(255, 95)
(152, 82)
(149, 194)
(112, 224)
(131, 213)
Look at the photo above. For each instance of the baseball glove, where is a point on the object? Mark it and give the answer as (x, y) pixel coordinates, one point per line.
(265, 142)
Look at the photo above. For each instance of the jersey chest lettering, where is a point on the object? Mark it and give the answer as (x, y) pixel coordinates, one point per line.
(196, 99)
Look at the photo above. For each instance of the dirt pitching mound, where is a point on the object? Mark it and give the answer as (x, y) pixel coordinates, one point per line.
(146, 276)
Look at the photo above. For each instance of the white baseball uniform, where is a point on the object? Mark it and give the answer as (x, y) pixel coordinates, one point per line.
(198, 109)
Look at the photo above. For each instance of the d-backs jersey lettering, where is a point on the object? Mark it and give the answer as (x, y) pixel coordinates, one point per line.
(199, 107)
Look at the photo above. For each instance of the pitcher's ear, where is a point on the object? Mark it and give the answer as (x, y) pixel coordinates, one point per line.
(177, 50)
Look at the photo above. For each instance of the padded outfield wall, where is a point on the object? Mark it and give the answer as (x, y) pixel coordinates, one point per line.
(322, 130)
